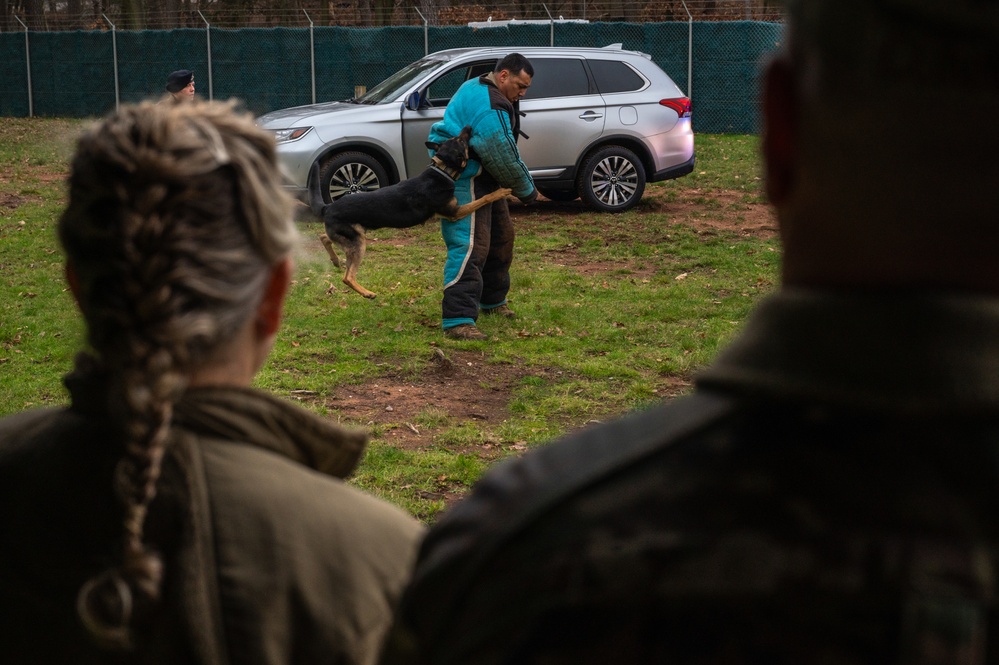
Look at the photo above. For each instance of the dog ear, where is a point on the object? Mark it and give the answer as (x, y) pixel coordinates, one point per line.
(433, 146)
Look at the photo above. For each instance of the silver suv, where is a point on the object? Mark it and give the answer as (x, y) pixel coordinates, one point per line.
(598, 124)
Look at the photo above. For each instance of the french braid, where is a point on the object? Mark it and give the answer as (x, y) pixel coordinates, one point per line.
(176, 214)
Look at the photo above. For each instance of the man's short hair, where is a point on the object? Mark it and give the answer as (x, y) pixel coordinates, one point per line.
(515, 63)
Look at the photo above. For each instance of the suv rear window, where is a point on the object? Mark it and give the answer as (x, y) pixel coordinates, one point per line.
(558, 77)
(614, 76)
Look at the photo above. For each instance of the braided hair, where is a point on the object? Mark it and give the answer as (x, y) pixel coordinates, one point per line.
(176, 216)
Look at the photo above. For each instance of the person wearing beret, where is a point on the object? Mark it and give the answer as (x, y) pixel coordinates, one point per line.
(180, 85)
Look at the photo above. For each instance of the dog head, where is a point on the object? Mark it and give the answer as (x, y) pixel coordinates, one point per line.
(453, 152)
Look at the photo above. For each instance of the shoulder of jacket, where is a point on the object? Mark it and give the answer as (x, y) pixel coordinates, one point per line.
(515, 493)
(24, 425)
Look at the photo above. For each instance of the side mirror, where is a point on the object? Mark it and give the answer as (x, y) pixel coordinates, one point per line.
(413, 101)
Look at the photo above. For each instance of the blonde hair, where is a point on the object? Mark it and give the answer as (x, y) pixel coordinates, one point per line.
(176, 217)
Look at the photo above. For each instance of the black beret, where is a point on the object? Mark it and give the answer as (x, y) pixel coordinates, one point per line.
(179, 80)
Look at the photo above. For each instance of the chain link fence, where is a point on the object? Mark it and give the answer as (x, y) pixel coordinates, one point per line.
(88, 73)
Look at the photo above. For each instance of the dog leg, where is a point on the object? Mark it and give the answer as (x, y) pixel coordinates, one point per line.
(469, 208)
(328, 244)
(355, 253)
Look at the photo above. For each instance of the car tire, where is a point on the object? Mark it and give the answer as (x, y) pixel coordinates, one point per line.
(349, 172)
(612, 179)
(560, 194)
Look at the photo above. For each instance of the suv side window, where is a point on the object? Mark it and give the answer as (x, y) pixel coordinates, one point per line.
(558, 77)
(614, 76)
(441, 90)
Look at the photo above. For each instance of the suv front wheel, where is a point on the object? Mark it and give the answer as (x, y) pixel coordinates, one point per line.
(350, 172)
(612, 179)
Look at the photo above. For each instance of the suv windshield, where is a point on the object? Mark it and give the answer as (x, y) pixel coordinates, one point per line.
(391, 88)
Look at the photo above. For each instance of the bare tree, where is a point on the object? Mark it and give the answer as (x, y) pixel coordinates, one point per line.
(7, 22)
(31, 12)
(430, 9)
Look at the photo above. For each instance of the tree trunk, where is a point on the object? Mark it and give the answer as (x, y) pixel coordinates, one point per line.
(364, 13)
(32, 14)
(133, 14)
(167, 14)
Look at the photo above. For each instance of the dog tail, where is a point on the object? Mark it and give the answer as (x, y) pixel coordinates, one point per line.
(316, 201)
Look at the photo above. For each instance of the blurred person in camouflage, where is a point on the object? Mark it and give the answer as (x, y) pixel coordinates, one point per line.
(829, 492)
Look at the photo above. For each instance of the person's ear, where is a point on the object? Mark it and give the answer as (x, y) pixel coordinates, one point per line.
(780, 127)
(271, 307)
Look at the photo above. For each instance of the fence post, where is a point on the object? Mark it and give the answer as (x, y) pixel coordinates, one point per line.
(690, 51)
(312, 54)
(551, 26)
(114, 54)
(426, 37)
(208, 39)
(27, 57)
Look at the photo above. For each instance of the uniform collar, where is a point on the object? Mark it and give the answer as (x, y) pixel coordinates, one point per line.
(891, 350)
(247, 416)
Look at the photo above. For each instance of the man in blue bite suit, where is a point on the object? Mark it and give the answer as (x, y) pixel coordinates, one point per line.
(480, 246)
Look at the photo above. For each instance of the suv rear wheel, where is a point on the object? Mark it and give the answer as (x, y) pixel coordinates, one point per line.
(612, 179)
(350, 172)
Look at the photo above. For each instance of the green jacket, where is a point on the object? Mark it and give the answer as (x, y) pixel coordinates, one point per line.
(270, 557)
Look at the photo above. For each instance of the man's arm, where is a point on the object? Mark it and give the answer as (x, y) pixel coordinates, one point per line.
(495, 142)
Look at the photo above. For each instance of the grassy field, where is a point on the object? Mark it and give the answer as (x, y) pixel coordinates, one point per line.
(615, 312)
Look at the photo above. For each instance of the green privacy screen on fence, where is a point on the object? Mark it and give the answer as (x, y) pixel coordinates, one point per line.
(80, 74)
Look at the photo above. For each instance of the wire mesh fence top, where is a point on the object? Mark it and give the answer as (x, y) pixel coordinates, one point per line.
(170, 14)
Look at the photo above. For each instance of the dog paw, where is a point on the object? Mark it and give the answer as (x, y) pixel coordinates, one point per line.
(506, 191)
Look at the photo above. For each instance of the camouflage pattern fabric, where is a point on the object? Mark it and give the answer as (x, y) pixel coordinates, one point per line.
(827, 496)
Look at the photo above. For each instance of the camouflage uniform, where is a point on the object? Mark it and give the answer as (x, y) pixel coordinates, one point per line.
(827, 495)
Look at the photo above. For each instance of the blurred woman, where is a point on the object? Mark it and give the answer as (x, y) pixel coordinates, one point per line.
(171, 513)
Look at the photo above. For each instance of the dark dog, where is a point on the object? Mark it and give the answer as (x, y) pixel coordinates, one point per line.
(408, 203)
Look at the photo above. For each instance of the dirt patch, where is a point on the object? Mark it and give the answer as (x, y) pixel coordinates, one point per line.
(705, 212)
(729, 212)
(11, 201)
(457, 384)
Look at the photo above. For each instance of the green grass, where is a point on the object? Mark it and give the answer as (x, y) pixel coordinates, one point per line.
(728, 162)
(39, 329)
(615, 312)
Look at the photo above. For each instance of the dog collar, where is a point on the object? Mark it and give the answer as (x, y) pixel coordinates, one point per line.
(438, 164)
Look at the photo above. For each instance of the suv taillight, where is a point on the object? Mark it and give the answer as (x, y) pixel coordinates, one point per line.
(680, 104)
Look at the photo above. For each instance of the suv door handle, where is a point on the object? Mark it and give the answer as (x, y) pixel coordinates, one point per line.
(591, 115)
